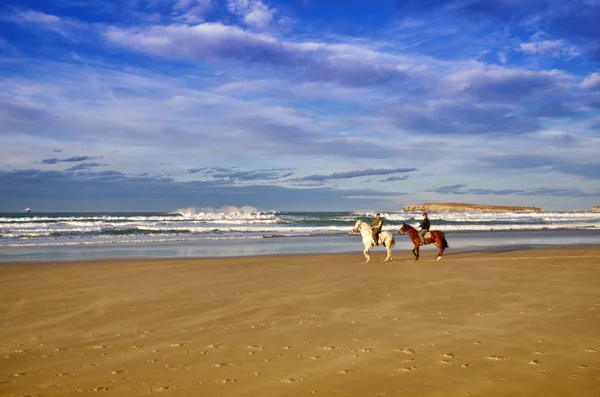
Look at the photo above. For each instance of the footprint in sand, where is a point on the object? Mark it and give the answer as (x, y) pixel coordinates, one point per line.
(222, 365)
(535, 362)
(227, 380)
(590, 351)
(93, 389)
(19, 374)
(449, 355)
(170, 367)
(344, 371)
(101, 347)
(444, 362)
(407, 351)
(407, 369)
(291, 380)
(255, 347)
(311, 357)
(162, 388)
(367, 349)
(539, 353)
(119, 371)
(466, 365)
(497, 358)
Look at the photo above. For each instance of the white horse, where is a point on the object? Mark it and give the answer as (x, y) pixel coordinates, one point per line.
(385, 238)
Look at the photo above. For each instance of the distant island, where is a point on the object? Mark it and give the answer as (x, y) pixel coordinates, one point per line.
(596, 208)
(458, 207)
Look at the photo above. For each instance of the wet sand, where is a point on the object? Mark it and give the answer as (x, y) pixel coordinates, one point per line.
(517, 322)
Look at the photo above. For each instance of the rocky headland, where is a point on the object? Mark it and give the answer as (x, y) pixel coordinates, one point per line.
(596, 208)
(458, 207)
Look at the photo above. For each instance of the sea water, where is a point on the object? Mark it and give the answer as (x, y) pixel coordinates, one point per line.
(232, 231)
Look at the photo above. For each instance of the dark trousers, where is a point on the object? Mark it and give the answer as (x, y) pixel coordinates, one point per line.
(376, 235)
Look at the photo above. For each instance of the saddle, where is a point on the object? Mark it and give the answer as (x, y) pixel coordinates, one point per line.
(427, 235)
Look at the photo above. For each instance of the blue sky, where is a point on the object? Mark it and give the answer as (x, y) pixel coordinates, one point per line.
(298, 105)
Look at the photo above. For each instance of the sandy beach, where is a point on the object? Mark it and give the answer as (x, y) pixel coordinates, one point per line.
(510, 323)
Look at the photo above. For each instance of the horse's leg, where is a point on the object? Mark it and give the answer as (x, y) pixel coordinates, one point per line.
(388, 248)
(366, 252)
(415, 250)
(440, 245)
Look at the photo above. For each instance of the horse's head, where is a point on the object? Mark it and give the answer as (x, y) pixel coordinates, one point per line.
(356, 226)
(402, 229)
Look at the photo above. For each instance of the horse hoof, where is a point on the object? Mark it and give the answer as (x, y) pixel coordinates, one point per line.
(439, 257)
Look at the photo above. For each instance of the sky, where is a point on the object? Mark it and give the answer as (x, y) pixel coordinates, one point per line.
(298, 105)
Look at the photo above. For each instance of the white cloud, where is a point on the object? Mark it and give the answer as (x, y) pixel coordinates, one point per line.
(592, 81)
(67, 27)
(253, 12)
(193, 11)
(549, 47)
(45, 21)
(349, 64)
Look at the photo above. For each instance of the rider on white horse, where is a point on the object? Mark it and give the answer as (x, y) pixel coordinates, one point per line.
(376, 227)
(386, 238)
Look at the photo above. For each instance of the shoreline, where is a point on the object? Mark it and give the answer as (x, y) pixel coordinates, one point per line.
(493, 323)
(293, 245)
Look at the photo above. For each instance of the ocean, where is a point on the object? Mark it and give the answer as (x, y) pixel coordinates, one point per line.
(232, 231)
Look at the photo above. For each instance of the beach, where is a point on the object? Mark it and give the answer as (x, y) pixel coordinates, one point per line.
(520, 322)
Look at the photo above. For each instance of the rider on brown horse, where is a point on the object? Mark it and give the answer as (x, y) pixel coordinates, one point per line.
(424, 228)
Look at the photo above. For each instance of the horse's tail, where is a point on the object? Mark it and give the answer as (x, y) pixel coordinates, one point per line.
(444, 242)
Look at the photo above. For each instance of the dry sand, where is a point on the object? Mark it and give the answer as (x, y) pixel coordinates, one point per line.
(516, 323)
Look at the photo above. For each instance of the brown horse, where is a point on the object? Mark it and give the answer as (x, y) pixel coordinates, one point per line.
(438, 238)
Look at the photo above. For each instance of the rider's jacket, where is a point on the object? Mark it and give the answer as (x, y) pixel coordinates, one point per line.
(377, 224)
(425, 224)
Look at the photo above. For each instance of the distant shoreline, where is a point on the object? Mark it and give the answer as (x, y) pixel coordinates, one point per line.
(458, 207)
(458, 240)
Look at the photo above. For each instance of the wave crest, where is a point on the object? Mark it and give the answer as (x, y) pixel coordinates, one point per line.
(228, 211)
